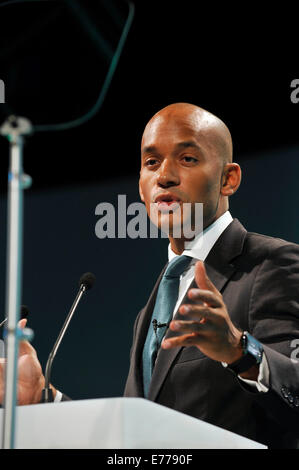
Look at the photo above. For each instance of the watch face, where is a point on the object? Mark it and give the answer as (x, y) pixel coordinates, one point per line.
(254, 347)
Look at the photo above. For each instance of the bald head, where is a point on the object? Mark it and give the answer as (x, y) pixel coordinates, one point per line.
(186, 156)
(207, 126)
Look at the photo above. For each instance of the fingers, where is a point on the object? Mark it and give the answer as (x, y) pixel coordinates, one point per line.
(22, 323)
(179, 341)
(196, 312)
(204, 299)
(202, 279)
(205, 304)
(190, 326)
(204, 322)
(203, 315)
(24, 346)
(211, 298)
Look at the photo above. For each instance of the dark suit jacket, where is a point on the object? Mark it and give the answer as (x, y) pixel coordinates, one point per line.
(258, 277)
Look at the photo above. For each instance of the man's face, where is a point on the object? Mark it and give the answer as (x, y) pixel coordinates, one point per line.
(179, 164)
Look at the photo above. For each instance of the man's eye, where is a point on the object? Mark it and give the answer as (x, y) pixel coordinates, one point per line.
(188, 159)
(151, 162)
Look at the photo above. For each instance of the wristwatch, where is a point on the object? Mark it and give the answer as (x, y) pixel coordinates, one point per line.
(252, 354)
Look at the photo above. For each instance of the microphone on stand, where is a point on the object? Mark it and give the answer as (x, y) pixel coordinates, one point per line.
(86, 282)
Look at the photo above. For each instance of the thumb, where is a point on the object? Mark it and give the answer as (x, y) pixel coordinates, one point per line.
(24, 345)
(23, 323)
(202, 279)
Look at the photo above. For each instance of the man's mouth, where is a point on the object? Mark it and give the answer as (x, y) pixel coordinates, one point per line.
(167, 202)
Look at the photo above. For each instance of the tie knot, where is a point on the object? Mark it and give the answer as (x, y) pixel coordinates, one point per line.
(177, 266)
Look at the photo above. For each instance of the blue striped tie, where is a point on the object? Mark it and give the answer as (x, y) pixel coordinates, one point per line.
(165, 302)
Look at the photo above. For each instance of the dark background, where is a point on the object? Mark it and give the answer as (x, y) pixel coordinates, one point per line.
(238, 63)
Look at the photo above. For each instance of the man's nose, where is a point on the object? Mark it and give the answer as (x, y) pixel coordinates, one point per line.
(168, 174)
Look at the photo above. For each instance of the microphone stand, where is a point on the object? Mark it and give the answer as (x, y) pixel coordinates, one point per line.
(47, 394)
(14, 128)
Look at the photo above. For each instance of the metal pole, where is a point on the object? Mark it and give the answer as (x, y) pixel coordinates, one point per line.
(13, 129)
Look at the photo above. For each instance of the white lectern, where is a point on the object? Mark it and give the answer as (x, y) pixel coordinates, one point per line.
(117, 423)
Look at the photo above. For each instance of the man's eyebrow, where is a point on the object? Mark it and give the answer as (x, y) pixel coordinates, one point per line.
(188, 143)
(149, 149)
(180, 145)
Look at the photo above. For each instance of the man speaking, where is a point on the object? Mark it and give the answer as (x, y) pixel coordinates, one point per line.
(214, 340)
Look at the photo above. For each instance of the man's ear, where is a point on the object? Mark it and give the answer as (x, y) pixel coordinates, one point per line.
(231, 179)
(141, 193)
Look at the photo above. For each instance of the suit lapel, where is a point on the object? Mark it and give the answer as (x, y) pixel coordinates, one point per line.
(219, 268)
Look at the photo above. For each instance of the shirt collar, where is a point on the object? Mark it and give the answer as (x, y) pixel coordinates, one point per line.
(202, 244)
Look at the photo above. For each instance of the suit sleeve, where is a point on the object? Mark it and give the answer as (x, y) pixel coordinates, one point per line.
(274, 321)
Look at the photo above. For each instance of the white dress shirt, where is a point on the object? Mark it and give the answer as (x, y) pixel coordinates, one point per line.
(199, 249)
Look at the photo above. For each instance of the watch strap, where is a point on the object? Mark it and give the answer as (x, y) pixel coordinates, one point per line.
(252, 354)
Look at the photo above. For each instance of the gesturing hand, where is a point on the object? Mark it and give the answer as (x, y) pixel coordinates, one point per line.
(207, 325)
(30, 376)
